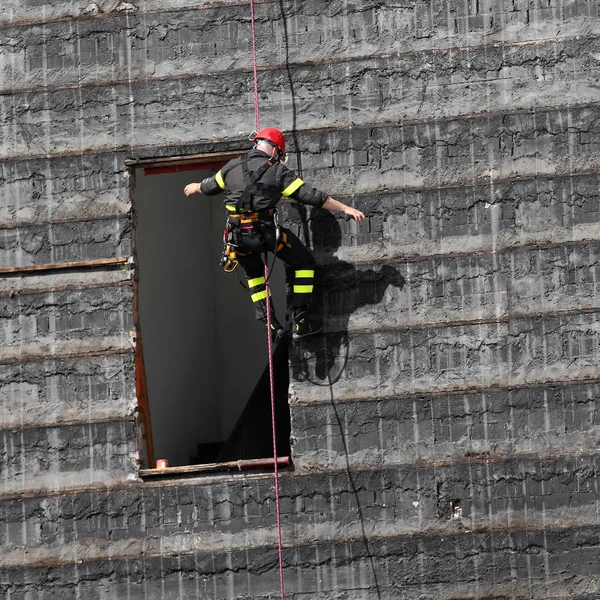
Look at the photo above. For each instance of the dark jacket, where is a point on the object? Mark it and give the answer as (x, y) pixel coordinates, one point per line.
(276, 181)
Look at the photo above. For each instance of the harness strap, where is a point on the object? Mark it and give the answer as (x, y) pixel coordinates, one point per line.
(251, 179)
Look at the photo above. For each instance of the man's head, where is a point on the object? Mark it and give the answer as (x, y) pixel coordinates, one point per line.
(270, 141)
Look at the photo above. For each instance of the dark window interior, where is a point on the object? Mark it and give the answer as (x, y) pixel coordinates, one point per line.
(205, 356)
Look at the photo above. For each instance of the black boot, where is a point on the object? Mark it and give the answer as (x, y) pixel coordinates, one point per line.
(277, 330)
(304, 325)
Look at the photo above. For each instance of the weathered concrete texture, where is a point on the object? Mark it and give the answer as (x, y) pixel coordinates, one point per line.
(359, 92)
(64, 391)
(455, 289)
(177, 32)
(140, 111)
(483, 215)
(541, 350)
(447, 427)
(71, 456)
(510, 526)
(453, 151)
(515, 565)
(63, 189)
(65, 242)
(67, 315)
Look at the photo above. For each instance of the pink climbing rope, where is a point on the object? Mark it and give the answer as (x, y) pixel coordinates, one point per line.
(273, 428)
(256, 113)
(269, 337)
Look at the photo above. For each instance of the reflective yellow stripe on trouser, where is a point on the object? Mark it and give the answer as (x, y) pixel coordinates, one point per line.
(252, 283)
(303, 281)
(260, 296)
(257, 282)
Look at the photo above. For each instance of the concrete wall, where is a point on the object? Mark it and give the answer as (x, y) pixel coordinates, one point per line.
(444, 427)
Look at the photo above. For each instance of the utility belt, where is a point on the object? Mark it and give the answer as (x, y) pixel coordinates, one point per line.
(251, 217)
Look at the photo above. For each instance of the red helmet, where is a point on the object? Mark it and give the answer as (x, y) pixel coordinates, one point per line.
(272, 135)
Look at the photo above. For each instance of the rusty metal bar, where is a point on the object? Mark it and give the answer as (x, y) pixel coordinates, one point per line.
(80, 264)
(239, 465)
(180, 167)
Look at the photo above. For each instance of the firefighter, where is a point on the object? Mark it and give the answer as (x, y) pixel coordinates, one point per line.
(253, 186)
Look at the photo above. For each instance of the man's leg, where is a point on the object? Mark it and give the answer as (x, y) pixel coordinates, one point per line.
(294, 253)
(255, 274)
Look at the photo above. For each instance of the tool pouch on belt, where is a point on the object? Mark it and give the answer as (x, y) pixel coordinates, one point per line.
(257, 196)
(229, 260)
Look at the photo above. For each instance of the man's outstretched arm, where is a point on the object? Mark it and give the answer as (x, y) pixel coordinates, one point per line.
(209, 186)
(337, 206)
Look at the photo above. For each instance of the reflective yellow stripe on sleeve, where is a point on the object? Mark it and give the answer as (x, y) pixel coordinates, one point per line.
(219, 180)
(256, 281)
(306, 274)
(290, 189)
(303, 289)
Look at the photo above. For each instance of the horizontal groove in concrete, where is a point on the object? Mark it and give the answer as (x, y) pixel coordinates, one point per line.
(75, 217)
(114, 417)
(473, 391)
(56, 457)
(22, 558)
(67, 390)
(160, 7)
(64, 350)
(135, 485)
(244, 70)
(34, 284)
(342, 129)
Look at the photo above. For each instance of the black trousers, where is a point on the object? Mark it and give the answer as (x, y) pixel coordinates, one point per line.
(252, 242)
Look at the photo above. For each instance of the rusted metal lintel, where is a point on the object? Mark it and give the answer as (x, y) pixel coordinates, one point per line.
(190, 159)
(80, 264)
(234, 465)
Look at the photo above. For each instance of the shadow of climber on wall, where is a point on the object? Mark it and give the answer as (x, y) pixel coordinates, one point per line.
(342, 288)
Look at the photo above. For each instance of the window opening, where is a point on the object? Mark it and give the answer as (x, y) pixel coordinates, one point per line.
(204, 357)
